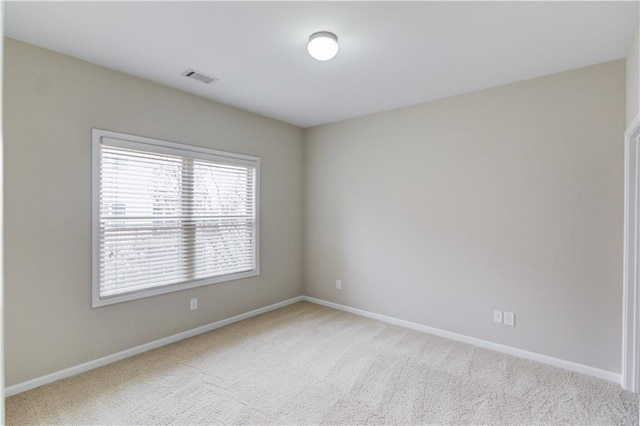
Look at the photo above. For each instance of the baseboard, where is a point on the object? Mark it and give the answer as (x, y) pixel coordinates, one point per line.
(90, 365)
(556, 362)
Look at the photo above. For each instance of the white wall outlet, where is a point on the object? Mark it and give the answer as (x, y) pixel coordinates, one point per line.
(339, 284)
(497, 316)
(509, 318)
(193, 304)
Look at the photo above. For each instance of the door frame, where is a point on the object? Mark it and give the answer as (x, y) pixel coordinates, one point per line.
(631, 292)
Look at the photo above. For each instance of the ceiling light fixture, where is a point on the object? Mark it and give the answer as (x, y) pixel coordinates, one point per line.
(323, 45)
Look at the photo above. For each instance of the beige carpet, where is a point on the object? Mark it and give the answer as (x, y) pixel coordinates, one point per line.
(307, 364)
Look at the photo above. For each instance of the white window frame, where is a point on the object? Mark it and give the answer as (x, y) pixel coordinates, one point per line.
(161, 146)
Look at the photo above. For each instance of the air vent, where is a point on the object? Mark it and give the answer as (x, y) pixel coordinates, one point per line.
(199, 76)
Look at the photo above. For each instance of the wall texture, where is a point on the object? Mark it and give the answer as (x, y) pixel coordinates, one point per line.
(510, 198)
(633, 79)
(51, 104)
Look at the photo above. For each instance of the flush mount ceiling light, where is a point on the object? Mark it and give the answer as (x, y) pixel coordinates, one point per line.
(323, 45)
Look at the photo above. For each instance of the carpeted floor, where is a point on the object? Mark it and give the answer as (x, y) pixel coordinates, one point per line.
(306, 364)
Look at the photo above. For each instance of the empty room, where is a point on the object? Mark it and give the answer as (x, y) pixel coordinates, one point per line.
(337, 213)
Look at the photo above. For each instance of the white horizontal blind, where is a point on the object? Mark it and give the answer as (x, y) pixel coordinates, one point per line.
(169, 217)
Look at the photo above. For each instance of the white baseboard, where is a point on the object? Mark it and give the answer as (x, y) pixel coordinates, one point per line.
(556, 362)
(90, 365)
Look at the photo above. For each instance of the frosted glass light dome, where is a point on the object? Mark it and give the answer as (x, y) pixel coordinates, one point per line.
(323, 45)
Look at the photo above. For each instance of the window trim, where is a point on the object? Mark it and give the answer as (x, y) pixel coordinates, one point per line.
(161, 146)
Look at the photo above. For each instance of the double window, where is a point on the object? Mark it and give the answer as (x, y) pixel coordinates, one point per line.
(168, 217)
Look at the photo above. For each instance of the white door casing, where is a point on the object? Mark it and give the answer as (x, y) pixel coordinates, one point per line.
(631, 294)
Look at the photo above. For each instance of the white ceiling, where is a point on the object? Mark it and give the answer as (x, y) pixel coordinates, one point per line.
(391, 54)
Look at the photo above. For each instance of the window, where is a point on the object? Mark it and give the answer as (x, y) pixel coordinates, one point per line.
(168, 217)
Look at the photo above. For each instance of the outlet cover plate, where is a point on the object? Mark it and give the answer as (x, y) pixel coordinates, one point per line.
(510, 319)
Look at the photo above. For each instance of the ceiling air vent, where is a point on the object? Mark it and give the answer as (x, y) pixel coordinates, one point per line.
(199, 76)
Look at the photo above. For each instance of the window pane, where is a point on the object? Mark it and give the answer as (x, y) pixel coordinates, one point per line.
(223, 246)
(140, 254)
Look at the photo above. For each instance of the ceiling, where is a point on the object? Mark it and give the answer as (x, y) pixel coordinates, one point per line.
(391, 54)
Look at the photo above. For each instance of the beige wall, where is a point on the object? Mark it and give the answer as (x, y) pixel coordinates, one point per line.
(51, 104)
(510, 198)
(633, 79)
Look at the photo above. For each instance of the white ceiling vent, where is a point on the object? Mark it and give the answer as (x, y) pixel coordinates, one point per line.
(199, 76)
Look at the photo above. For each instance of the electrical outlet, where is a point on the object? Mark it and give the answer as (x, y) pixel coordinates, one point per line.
(510, 319)
(339, 284)
(497, 316)
(193, 304)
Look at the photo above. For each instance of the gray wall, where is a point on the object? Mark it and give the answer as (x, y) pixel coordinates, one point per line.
(51, 104)
(633, 79)
(510, 198)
